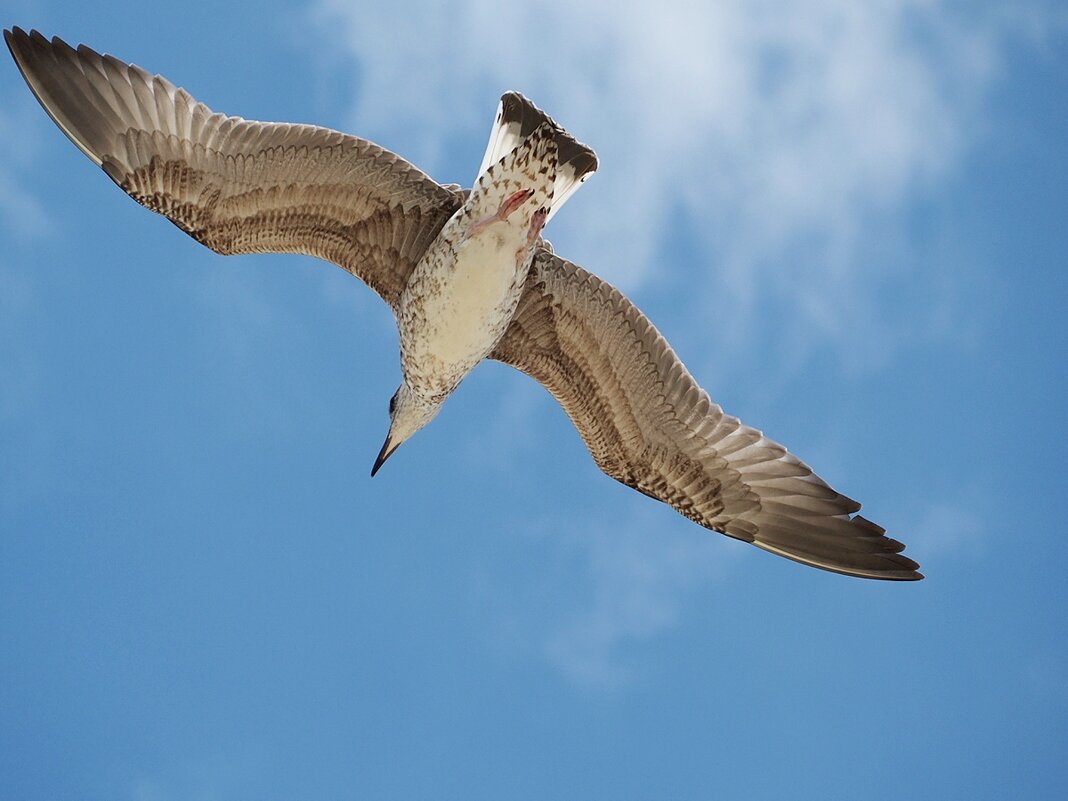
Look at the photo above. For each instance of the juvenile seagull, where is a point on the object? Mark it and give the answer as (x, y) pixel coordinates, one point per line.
(468, 276)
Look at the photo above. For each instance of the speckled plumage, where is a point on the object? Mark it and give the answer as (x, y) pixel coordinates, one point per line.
(468, 276)
(463, 292)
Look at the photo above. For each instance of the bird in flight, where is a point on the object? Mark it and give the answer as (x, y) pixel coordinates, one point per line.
(469, 277)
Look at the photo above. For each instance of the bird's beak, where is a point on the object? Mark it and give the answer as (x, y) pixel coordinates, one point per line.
(387, 450)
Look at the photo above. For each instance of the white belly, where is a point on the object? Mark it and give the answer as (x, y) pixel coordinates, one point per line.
(453, 315)
(464, 291)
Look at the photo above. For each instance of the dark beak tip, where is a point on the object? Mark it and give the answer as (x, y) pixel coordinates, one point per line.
(383, 454)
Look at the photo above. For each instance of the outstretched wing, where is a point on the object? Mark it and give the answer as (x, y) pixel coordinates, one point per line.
(649, 425)
(235, 185)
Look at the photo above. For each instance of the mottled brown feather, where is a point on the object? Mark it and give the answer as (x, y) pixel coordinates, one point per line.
(240, 186)
(650, 426)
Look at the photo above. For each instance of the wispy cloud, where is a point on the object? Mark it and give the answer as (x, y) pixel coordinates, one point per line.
(239, 309)
(198, 778)
(242, 320)
(17, 369)
(947, 529)
(22, 214)
(638, 585)
(778, 137)
(22, 219)
(26, 218)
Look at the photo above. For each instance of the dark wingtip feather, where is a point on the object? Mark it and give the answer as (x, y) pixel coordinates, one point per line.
(16, 38)
(850, 546)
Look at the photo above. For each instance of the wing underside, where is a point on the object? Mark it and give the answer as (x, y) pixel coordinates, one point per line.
(650, 426)
(235, 185)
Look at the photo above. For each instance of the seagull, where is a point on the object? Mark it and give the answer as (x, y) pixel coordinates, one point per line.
(468, 276)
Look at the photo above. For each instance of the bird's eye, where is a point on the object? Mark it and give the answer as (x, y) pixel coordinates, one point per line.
(393, 403)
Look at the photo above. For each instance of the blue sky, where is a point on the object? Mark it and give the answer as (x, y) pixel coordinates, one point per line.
(849, 220)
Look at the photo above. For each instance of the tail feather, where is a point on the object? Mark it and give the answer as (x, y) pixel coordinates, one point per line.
(517, 118)
(530, 165)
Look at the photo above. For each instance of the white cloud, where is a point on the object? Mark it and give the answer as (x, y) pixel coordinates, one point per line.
(243, 320)
(17, 370)
(948, 530)
(777, 136)
(638, 585)
(240, 309)
(22, 219)
(22, 214)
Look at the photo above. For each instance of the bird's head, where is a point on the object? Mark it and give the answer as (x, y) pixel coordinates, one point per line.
(408, 412)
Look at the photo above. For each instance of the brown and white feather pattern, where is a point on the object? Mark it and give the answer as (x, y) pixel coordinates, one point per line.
(244, 187)
(648, 424)
(516, 121)
(240, 186)
(464, 292)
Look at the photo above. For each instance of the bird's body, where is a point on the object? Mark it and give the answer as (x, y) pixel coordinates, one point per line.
(464, 291)
(469, 277)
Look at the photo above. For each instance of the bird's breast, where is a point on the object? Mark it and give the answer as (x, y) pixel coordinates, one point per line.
(459, 303)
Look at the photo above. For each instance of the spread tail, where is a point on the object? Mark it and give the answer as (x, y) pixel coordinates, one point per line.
(517, 118)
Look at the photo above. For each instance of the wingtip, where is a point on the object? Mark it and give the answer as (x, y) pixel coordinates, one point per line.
(910, 567)
(898, 567)
(12, 36)
(17, 35)
(849, 546)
